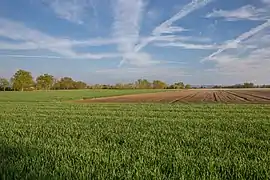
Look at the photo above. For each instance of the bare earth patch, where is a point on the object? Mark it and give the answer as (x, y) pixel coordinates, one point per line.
(191, 96)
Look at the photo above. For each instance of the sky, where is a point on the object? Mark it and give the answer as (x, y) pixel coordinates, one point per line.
(119, 41)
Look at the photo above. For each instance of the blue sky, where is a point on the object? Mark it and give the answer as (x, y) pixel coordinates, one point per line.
(111, 41)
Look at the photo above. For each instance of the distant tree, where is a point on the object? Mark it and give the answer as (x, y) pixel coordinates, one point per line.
(118, 86)
(44, 81)
(79, 85)
(66, 83)
(122, 86)
(265, 86)
(129, 86)
(217, 87)
(96, 86)
(179, 85)
(4, 83)
(157, 84)
(248, 85)
(56, 84)
(187, 86)
(138, 83)
(106, 86)
(22, 79)
(142, 84)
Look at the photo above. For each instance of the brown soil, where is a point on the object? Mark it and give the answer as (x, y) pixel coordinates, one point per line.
(191, 96)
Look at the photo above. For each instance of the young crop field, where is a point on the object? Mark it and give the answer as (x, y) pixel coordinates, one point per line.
(65, 95)
(44, 137)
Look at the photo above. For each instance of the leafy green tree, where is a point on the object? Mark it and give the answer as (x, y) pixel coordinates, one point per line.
(180, 85)
(96, 86)
(188, 86)
(22, 79)
(4, 83)
(79, 85)
(66, 83)
(248, 85)
(143, 84)
(128, 86)
(56, 84)
(106, 86)
(123, 86)
(118, 86)
(157, 84)
(45, 81)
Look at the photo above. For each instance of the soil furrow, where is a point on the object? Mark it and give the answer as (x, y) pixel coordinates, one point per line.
(181, 98)
(190, 96)
(241, 98)
(256, 96)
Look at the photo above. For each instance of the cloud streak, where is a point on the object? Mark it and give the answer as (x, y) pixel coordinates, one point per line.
(238, 40)
(29, 39)
(127, 19)
(247, 12)
(70, 10)
(166, 27)
(28, 56)
(187, 9)
(188, 46)
(127, 23)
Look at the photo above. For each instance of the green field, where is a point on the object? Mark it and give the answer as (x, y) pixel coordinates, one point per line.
(66, 95)
(44, 137)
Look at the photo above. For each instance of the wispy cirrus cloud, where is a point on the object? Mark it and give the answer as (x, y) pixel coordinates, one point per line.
(127, 20)
(171, 30)
(245, 58)
(188, 46)
(231, 44)
(166, 25)
(29, 39)
(70, 10)
(167, 28)
(126, 28)
(253, 67)
(187, 9)
(246, 64)
(26, 56)
(247, 12)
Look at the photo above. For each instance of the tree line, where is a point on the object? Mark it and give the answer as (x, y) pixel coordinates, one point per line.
(244, 85)
(24, 81)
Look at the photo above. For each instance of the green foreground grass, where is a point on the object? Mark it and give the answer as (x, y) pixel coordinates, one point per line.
(48, 140)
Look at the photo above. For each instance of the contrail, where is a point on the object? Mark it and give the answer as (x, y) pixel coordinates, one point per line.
(194, 5)
(187, 9)
(239, 39)
(127, 20)
(28, 56)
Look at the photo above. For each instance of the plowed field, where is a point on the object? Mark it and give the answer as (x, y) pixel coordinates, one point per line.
(192, 96)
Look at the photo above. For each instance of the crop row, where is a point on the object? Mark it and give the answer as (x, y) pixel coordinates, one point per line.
(128, 141)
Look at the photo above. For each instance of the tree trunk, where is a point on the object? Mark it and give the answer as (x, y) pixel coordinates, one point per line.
(4, 88)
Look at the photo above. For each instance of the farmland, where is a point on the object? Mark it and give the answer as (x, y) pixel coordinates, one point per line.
(44, 135)
(193, 96)
(62, 95)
